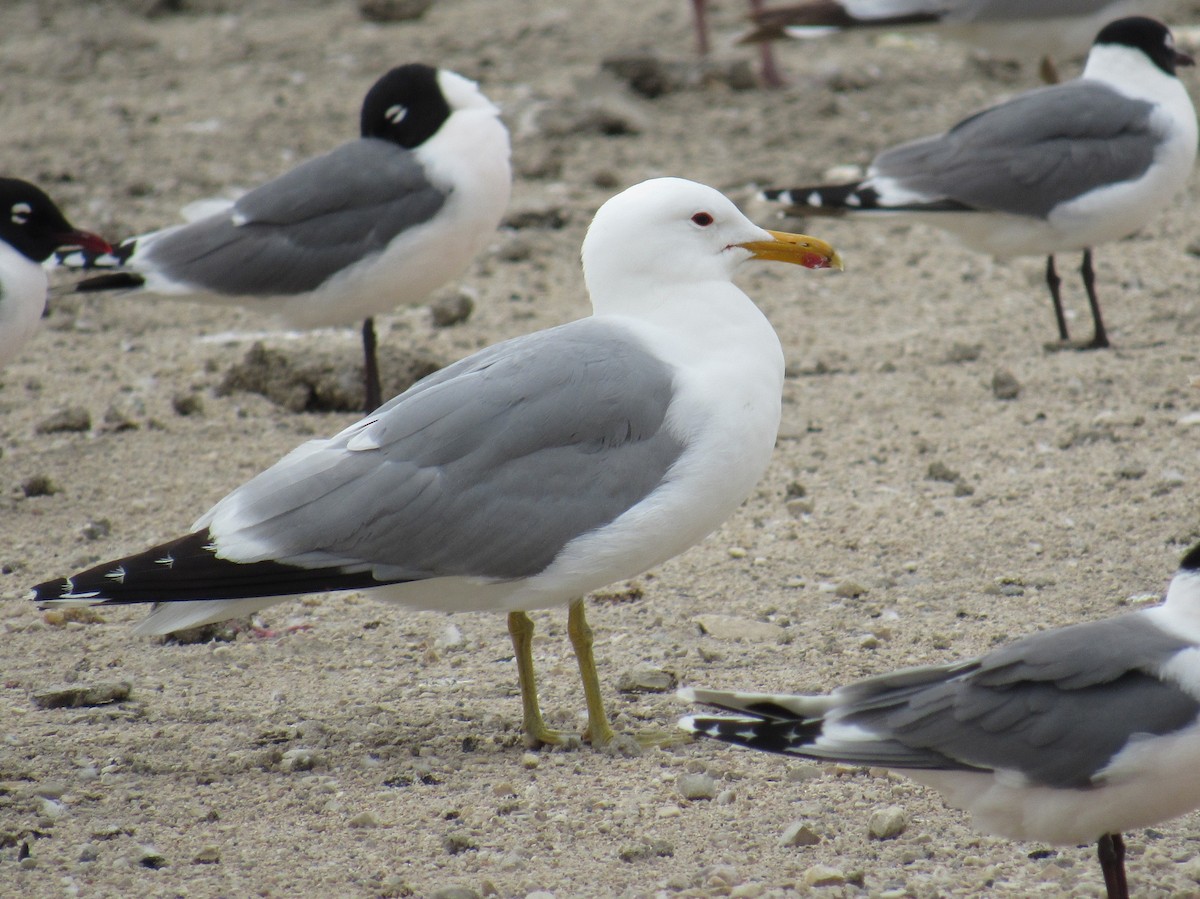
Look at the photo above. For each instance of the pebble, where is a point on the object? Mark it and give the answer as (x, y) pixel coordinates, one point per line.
(529, 761)
(799, 833)
(729, 627)
(887, 823)
(849, 590)
(299, 760)
(802, 772)
(452, 310)
(149, 857)
(696, 786)
(646, 849)
(940, 471)
(364, 819)
(73, 696)
(38, 485)
(646, 678)
(75, 419)
(208, 855)
(1005, 386)
(798, 508)
(186, 404)
(823, 876)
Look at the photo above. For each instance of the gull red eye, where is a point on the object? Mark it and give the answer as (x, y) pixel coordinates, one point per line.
(703, 219)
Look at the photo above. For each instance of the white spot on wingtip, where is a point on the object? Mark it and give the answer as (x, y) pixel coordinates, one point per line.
(853, 200)
(815, 199)
(168, 560)
(117, 574)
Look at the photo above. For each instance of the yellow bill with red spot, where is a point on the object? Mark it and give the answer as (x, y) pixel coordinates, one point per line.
(798, 249)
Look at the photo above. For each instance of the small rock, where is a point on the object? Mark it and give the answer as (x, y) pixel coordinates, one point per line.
(730, 627)
(38, 485)
(939, 471)
(646, 849)
(299, 760)
(887, 823)
(73, 696)
(802, 772)
(208, 855)
(149, 857)
(456, 843)
(89, 853)
(75, 419)
(186, 404)
(529, 761)
(823, 876)
(1005, 385)
(364, 819)
(799, 833)
(393, 10)
(799, 507)
(696, 786)
(452, 310)
(122, 414)
(645, 678)
(96, 530)
(849, 590)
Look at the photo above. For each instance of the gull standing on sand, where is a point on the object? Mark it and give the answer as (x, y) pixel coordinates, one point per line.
(31, 229)
(528, 474)
(378, 222)
(1066, 736)
(1053, 170)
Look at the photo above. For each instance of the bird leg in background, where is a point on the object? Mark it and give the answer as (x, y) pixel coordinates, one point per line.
(1100, 337)
(599, 731)
(373, 389)
(768, 71)
(1048, 70)
(1053, 281)
(1111, 850)
(520, 628)
(700, 20)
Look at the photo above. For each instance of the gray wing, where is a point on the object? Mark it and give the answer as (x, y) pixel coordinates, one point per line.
(291, 234)
(1055, 706)
(487, 468)
(1028, 155)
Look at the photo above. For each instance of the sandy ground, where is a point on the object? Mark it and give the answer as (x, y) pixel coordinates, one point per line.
(376, 752)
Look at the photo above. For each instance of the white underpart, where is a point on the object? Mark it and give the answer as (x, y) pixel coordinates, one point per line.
(1150, 781)
(22, 299)
(469, 158)
(650, 271)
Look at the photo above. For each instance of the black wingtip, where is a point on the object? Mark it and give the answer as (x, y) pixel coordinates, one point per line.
(113, 281)
(1191, 560)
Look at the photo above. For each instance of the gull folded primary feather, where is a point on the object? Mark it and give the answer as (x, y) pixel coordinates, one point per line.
(528, 474)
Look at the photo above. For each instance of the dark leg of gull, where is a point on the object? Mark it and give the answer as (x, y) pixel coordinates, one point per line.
(700, 20)
(373, 389)
(771, 76)
(1048, 70)
(1053, 281)
(1111, 850)
(1100, 337)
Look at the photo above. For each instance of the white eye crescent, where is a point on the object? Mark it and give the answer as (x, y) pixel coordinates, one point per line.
(395, 114)
(20, 213)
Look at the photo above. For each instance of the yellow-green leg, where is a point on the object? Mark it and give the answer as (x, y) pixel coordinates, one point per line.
(599, 731)
(520, 628)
